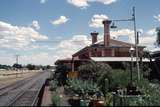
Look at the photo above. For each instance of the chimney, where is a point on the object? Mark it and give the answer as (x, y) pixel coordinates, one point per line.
(106, 32)
(94, 37)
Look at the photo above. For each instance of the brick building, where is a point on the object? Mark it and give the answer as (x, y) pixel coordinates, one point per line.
(108, 51)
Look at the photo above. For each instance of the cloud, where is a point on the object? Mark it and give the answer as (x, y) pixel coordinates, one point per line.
(96, 20)
(106, 2)
(79, 3)
(7, 60)
(35, 25)
(157, 17)
(151, 32)
(66, 48)
(41, 58)
(43, 1)
(18, 37)
(61, 20)
(85, 3)
(148, 38)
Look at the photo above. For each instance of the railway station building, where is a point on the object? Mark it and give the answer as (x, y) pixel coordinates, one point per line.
(110, 51)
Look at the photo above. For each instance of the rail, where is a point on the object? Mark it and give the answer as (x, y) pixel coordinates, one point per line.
(30, 96)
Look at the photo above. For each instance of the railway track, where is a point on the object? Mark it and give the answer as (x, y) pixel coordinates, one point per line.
(22, 93)
(29, 97)
(6, 89)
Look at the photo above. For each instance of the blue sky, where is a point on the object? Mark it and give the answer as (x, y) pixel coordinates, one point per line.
(41, 31)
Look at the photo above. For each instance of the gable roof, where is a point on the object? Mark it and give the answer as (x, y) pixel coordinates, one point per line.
(113, 43)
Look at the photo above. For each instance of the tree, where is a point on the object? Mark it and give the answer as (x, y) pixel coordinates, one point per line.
(93, 70)
(48, 67)
(158, 36)
(5, 66)
(18, 66)
(61, 73)
(31, 67)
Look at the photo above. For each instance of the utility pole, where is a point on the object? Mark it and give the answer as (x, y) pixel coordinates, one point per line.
(17, 64)
(17, 56)
(136, 43)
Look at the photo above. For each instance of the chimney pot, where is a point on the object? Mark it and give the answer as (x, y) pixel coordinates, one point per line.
(107, 32)
(94, 37)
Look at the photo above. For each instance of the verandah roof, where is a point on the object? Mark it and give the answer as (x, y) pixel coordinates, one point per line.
(116, 59)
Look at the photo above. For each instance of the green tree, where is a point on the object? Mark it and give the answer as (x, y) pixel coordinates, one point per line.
(5, 66)
(93, 70)
(18, 66)
(61, 73)
(31, 67)
(48, 67)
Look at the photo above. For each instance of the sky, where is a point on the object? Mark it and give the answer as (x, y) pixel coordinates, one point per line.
(42, 31)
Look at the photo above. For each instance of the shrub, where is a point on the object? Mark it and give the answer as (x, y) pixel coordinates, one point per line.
(81, 87)
(56, 100)
(108, 99)
(149, 89)
(53, 85)
(93, 70)
(61, 73)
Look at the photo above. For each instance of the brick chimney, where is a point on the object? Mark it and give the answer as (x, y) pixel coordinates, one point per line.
(107, 32)
(94, 37)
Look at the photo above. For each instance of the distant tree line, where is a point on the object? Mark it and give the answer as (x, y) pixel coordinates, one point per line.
(5, 66)
(28, 66)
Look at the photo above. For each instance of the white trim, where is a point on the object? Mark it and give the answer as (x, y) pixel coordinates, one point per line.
(116, 59)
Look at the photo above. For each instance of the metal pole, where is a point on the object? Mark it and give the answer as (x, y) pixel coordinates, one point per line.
(17, 59)
(135, 33)
(72, 64)
(131, 65)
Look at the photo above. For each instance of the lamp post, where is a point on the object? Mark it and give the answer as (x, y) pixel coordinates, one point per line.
(131, 51)
(133, 19)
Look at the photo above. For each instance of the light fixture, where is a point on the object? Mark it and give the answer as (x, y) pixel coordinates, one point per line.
(113, 25)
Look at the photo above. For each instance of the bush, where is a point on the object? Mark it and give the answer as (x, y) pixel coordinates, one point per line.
(151, 91)
(81, 87)
(108, 99)
(61, 73)
(121, 78)
(93, 70)
(56, 100)
(53, 85)
(96, 72)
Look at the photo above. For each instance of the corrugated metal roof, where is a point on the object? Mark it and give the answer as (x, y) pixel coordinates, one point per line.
(116, 59)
